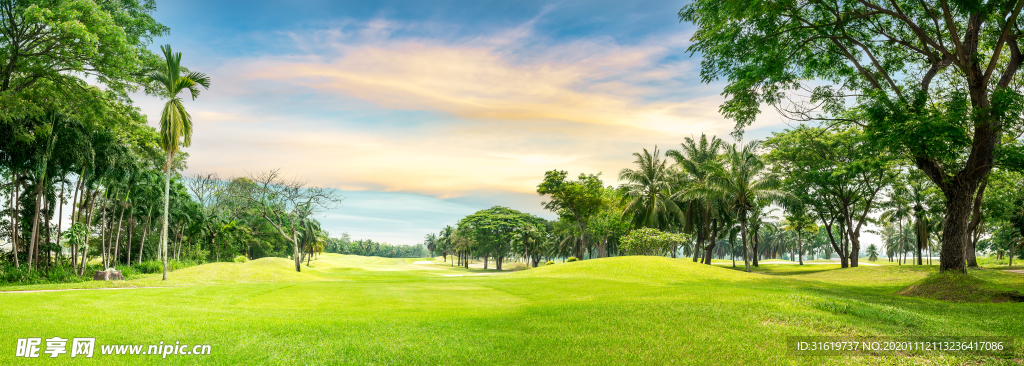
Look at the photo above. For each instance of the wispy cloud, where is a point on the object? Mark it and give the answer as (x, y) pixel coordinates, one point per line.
(482, 113)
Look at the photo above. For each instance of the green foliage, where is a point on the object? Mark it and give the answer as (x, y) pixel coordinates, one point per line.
(548, 263)
(575, 201)
(494, 230)
(9, 274)
(648, 241)
(647, 192)
(47, 46)
(570, 259)
(241, 259)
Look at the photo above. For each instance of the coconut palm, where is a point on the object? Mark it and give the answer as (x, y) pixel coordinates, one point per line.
(698, 161)
(431, 241)
(744, 185)
(175, 122)
(647, 195)
(872, 253)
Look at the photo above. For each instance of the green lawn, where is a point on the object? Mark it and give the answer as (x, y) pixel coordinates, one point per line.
(618, 311)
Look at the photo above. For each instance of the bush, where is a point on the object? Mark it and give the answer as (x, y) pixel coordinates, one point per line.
(154, 266)
(241, 259)
(46, 274)
(571, 259)
(549, 263)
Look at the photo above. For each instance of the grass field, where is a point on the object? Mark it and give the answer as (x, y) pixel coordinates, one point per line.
(614, 311)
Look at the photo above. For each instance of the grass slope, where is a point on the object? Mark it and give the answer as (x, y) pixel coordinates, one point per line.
(614, 311)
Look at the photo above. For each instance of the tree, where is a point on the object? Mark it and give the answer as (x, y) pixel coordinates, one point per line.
(799, 222)
(647, 193)
(284, 204)
(872, 253)
(647, 241)
(47, 46)
(430, 240)
(175, 122)
(929, 81)
(838, 175)
(743, 186)
(575, 200)
(698, 161)
(495, 229)
(445, 242)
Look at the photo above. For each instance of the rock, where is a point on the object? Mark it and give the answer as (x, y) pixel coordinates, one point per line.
(108, 275)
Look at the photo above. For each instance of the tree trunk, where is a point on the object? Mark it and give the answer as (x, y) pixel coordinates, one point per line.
(142, 242)
(602, 248)
(33, 241)
(757, 243)
(800, 247)
(743, 237)
(60, 212)
(128, 244)
(498, 262)
(837, 247)
(167, 205)
(14, 217)
(698, 245)
(117, 236)
(954, 231)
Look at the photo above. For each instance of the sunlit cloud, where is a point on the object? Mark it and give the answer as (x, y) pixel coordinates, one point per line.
(379, 107)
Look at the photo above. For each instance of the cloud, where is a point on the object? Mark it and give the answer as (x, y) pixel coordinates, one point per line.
(411, 108)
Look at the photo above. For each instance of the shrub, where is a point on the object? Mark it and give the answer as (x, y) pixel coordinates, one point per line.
(549, 263)
(240, 259)
(571, 259)
(45, 274)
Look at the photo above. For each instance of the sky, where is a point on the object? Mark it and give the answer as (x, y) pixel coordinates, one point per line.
(420, 113)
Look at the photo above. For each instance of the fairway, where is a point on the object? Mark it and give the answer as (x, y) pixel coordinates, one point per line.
(624, 310)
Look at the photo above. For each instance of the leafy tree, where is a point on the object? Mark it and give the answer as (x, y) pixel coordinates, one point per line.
(284, 204)
(575, 201)
(930, 81)
(495, 229)
(644, 241)
(47, 46)
(837, 175)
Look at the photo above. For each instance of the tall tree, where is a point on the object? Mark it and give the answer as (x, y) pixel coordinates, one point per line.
(175, 122)
(839, 175)
(930, 80)
(575, 200)
(647, 192)
(744, 185)
(698, 161)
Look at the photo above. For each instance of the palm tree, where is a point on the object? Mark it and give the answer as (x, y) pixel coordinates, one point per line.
(744, 185)
(445, 240)
(431, 241)
(872, 253)
(648, 191)
(697, 162)
(175, 122)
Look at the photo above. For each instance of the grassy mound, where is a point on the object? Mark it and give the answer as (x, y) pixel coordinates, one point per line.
(637, 269)
(958, 287)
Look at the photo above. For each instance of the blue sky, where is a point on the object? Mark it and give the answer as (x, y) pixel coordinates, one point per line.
(423, 112)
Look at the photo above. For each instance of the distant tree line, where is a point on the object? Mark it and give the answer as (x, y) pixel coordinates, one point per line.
(370, 248)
